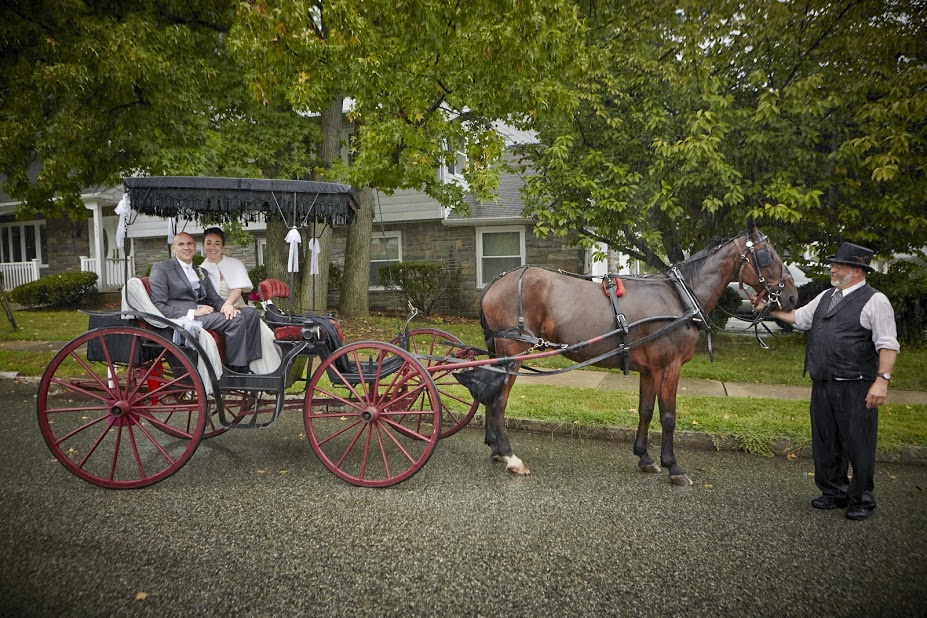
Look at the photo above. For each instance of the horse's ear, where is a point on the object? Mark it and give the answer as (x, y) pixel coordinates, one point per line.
(751, 226)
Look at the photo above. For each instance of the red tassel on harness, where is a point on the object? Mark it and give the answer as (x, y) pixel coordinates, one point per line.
(619, 286)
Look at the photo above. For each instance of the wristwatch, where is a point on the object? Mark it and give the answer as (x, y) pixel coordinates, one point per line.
(886, 376)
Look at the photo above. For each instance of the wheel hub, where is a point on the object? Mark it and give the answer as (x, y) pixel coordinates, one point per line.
(370, 414)
(121, 412)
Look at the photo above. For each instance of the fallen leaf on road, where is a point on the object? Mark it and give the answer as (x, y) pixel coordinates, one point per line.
(141, 596)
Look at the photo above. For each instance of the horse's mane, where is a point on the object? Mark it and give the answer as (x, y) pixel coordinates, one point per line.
(691, 267)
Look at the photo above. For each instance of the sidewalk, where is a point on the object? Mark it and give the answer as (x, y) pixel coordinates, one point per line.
(710, 388)
(603, 380)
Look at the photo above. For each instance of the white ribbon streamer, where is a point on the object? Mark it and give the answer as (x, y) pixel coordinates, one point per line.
(293, 238)
(123, 211)
(314, 247)
(171, 228)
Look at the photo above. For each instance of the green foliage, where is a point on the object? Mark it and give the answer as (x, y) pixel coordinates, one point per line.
(426, 82)
(257, 274)
(421, 283)
(62, 290)
(905, 284)
(91, 90)
(693, 115)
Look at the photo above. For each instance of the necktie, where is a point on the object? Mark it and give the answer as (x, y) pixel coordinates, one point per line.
(837, 296)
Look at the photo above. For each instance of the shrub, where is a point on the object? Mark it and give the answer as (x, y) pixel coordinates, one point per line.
(905, 284)
(56, 291)
(257, 274)
(421, 283)
(727, 305)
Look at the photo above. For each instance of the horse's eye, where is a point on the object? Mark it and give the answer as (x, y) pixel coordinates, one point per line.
(763, 258)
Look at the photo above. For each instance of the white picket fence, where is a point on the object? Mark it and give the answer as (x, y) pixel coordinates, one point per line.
(18, 273)
(115, 270)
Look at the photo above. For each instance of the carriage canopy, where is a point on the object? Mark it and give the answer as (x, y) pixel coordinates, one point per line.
(242, 199)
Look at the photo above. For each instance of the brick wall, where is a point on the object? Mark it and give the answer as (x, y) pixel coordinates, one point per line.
(456, 246)
(67, 241)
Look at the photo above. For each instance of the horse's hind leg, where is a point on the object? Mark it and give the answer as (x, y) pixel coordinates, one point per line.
(645, 406)
(496, 436)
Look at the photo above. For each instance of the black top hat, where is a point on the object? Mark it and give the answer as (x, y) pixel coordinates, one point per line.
(854, 255)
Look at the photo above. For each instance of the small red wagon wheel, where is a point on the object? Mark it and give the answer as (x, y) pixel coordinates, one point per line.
(434, 347)
(121, 407)
(372, 413)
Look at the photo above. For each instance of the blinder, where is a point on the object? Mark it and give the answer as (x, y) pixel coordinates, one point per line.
(761, 259)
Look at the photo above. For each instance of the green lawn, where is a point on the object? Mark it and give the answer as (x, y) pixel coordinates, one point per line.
(737, 358)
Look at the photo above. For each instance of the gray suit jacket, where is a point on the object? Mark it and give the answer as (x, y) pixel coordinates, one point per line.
(172, 294)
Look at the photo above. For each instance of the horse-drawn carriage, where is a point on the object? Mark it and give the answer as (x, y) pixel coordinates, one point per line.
(126, 404)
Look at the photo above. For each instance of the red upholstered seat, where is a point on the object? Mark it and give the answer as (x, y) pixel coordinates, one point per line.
(219, 338)
(273, 288)
(288, 333)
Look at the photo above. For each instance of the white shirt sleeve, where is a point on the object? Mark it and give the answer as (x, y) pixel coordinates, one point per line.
(879, 317)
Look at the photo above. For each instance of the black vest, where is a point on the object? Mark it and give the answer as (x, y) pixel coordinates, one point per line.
(838, 346)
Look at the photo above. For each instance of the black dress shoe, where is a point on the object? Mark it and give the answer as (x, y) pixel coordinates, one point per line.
(858, 513)
(826, 502)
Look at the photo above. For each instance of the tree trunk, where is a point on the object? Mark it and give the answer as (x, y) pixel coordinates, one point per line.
(315, 288)
(354, 286)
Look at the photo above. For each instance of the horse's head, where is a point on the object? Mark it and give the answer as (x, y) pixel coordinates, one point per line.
(763, 270)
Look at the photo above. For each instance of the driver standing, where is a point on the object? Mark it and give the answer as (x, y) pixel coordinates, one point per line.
(852, 346)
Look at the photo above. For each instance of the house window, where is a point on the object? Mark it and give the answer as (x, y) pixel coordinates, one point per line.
(22, 242)
(456, 166)
(385, 249)
(498, 250)
(261, 251)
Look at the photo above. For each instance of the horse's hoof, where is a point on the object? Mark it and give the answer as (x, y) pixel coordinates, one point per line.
(516, 466)
(651, 467)
(682, 480)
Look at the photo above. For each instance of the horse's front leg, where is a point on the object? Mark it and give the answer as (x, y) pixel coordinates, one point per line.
(667, 398)
(496, 436)
(645, 405)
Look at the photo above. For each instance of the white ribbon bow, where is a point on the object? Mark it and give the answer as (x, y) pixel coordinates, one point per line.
(294, 239)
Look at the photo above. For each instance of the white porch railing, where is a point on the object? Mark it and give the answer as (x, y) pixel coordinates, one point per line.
(18, 273)
(115, 270)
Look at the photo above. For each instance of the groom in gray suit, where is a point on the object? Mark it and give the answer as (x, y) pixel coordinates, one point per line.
(180, 289)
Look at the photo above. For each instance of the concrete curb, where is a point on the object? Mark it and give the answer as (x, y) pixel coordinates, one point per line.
(910, 455)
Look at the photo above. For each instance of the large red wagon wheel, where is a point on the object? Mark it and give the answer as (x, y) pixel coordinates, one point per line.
(122, 407)
(434, 347)
(372, 413)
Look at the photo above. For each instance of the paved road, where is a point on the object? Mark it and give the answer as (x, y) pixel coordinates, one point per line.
(253, 525)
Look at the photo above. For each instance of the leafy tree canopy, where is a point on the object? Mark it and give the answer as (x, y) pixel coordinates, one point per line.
(427, 78)
(811, 116)
(91, 91)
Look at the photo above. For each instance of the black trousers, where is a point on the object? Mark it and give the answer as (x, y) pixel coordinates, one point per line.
(843, 433)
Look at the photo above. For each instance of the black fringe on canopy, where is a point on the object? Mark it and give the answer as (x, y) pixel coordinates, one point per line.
(219, 200)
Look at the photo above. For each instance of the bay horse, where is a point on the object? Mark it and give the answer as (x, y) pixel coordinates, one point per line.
(531, 307)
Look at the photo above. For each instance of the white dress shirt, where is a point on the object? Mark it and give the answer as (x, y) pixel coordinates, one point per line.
(877, 315)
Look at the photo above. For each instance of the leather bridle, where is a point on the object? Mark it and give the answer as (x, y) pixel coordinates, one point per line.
(757, 256)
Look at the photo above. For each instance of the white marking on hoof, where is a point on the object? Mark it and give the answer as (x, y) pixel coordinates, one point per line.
(516, 466)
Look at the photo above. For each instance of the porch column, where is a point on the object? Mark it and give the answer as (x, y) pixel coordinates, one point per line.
(97, 242)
